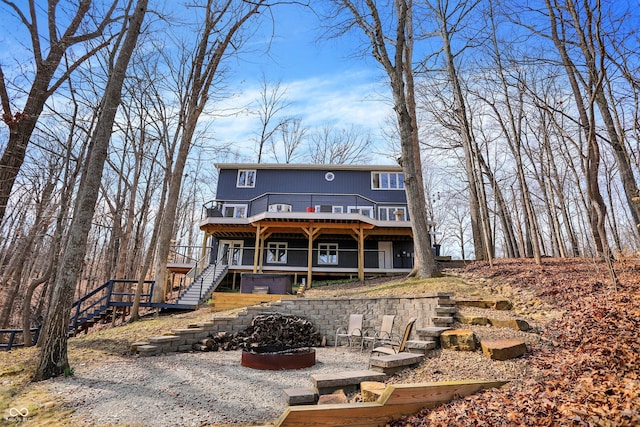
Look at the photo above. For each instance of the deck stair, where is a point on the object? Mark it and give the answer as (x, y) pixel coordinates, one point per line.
(203, 285)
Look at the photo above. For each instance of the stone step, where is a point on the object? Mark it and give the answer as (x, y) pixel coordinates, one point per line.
(300, 396)
(346, 380)
(480, 303)
(390, 363)
(446, 310)
(420, 346)
(504, 349)
(458, 339)
(148, 350)
(431, 332)
(442, 321)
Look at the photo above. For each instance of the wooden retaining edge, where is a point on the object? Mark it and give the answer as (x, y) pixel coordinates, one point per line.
(227, 301)
(397, 400)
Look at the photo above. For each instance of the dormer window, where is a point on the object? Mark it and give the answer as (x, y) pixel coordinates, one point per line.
(387, 180)
(246, 178)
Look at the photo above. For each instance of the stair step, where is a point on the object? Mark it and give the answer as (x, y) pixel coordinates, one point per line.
(420, 346)
(432, 332)
(441, 321)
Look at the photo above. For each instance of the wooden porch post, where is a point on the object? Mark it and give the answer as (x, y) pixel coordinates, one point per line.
(256, 250)
(263, 239)
(360, 253)
(358, 235)
(311, 234)
(204, 244)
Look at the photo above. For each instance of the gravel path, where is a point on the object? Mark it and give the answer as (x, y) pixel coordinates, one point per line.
(188, 389)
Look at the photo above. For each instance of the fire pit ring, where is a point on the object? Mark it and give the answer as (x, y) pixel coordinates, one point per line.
(275, 359)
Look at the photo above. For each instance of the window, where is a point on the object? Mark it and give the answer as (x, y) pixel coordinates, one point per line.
(277, 253)
(246, 179)
(329, 209)
(337, 209)
(234, 211)
(387, 180)
(279, 207)
(362, 210)
(328, 253)
(386, 213)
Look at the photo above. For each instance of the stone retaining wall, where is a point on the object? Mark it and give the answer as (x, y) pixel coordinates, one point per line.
(326, 314)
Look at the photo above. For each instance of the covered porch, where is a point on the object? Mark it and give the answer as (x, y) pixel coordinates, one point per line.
(362, 231)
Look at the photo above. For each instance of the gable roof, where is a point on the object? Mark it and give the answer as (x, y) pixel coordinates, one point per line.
(289, 166)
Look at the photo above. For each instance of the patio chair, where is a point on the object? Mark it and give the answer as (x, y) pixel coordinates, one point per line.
(384, 335)
(352, 332)
(397, 346)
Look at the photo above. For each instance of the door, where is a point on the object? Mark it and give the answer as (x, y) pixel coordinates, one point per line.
(230, 252)
(385, 255)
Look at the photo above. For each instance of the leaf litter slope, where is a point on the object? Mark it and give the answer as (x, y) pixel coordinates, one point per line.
(584, 371)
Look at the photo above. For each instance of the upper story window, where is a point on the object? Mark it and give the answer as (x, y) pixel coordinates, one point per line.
(387, 180)
(246, 179)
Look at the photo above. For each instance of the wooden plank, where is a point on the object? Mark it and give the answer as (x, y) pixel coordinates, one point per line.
(396, 401)
(434, 392)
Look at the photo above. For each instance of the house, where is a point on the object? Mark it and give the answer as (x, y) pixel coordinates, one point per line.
(309, 221)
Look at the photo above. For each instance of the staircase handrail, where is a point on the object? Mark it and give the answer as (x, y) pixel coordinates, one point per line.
(217, 263)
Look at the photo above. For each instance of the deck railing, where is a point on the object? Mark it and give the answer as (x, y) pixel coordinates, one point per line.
(306, 202)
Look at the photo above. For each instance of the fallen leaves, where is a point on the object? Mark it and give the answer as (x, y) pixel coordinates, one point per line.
(585, 370)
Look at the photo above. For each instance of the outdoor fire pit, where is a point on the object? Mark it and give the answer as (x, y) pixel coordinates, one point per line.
(278, 358)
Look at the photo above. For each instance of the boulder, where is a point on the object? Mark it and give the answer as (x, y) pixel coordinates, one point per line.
(371, 390)
(458, 339)
(337, 396)
(504, 349)
(516, 324)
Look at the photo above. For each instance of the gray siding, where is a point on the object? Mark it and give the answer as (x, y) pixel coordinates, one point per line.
(305, 181)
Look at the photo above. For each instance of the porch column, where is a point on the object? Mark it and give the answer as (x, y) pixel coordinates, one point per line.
(358, 235)
(311, 233)
(263, 239)
(204, 244)
(361, 254)
(256, 251)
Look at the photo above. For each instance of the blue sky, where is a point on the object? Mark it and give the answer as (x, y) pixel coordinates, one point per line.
(327, 81)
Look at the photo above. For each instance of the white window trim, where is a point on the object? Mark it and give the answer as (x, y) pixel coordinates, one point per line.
(397, 174)
(328, 248)
(235, 206)
(278, 207)
(390, 210)
(337, 209)
(244, 185)
(278, 246)
(359, 210)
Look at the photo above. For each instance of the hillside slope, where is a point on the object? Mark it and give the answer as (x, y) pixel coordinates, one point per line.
(585, 369)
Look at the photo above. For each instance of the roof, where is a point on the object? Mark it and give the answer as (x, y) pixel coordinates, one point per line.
(289, 166)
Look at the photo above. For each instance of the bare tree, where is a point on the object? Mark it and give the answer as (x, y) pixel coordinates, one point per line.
(48, 47)
(223, 20)
(331, 146)
(53, 358)
(292, 136)
(271, 103)
(392, 46)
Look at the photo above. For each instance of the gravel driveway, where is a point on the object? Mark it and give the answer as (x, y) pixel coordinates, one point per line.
(188, 389)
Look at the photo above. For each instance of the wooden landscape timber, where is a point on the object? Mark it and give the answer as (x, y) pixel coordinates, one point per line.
(397, 400)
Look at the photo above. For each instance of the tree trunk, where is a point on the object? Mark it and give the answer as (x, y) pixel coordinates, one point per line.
(53, 358)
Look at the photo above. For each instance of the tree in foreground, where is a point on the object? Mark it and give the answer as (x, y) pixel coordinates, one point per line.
(53, 358)
(392, 47)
